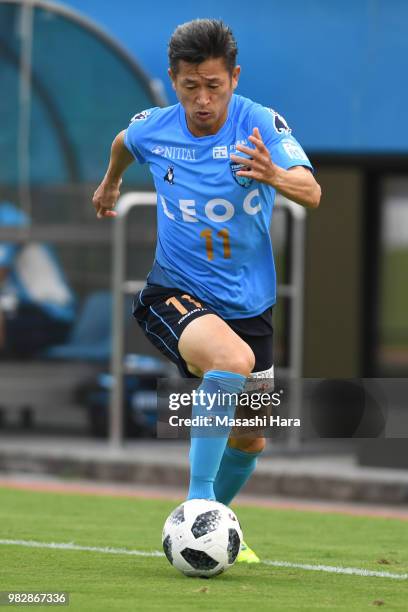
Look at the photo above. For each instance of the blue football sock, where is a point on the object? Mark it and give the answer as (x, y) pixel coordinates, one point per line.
(235, 469)
(208, 442)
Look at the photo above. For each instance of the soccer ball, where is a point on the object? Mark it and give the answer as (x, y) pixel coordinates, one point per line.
(202, 538)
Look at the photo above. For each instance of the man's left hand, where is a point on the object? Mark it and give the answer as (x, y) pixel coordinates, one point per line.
(260, 165)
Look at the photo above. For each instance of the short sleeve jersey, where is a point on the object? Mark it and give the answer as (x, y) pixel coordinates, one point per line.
(213, 226)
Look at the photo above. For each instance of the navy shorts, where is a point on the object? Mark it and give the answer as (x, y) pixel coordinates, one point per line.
(163, 313)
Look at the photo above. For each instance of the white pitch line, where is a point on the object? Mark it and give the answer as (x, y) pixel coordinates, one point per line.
(353, 571)
(72, 546)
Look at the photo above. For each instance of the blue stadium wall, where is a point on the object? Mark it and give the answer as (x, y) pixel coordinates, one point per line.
(336, 69)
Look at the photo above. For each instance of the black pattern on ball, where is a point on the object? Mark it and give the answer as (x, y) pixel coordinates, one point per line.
(167, 548)
(198, 559)
(205, 523)
(234, 545)
(177, 516)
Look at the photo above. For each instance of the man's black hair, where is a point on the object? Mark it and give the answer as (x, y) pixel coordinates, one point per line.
(202, 39)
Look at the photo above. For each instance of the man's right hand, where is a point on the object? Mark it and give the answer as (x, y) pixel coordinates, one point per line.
(108, 192)
(105, 198)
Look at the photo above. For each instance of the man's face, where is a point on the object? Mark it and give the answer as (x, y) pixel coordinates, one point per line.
(205, 90)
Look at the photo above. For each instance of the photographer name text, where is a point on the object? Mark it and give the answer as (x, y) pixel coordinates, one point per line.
(226, 421)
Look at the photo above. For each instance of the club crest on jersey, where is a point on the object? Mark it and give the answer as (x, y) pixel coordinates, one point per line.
(169, 176)
(244, 181)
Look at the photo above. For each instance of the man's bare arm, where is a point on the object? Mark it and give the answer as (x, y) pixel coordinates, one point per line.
(107, 194)
(297, 183)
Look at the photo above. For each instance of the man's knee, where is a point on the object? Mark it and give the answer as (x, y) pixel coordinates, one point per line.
(240, 362)
(208, 343)
(248, 444)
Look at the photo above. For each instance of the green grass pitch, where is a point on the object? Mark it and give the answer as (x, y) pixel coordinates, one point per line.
(99, 581)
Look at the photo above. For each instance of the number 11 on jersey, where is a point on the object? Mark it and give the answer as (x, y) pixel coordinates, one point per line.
(209, 246)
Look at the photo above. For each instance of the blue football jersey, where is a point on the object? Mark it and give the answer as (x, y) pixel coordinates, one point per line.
(213, 226)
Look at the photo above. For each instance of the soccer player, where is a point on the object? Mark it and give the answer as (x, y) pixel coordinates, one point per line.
(217, 160)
